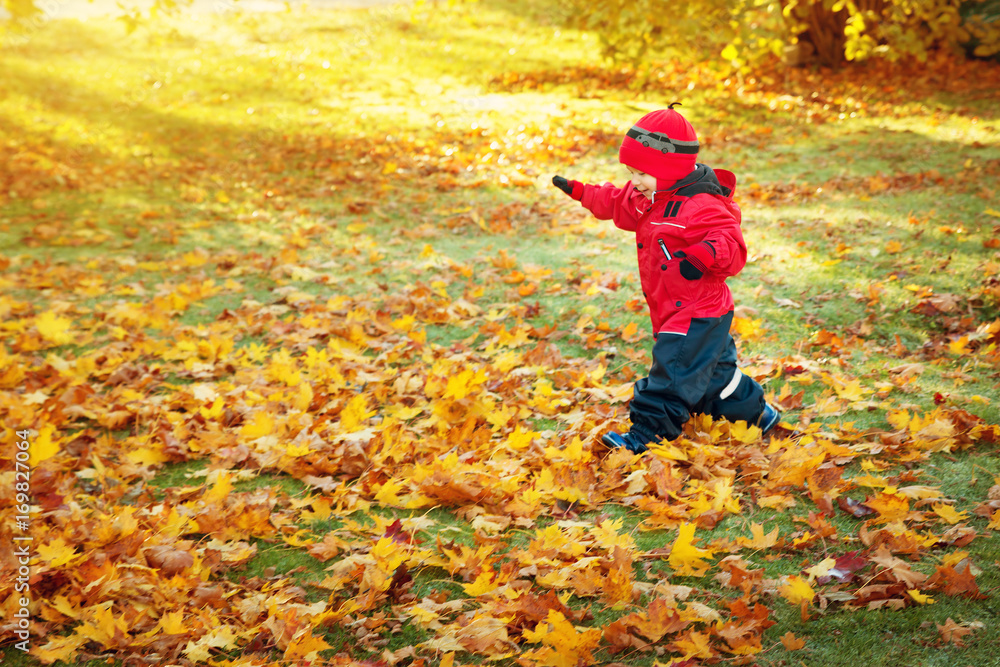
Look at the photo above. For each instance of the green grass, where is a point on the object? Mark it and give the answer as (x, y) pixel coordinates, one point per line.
(392, 158)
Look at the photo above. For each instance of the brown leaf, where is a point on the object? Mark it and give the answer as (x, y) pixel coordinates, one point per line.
(329, 548)
(168, 559)
(897, 568)
(953, 632)
(954, 581)
(855, 508)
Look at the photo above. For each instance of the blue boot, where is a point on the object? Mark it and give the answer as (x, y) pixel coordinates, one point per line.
(631, 441)
(768, 419)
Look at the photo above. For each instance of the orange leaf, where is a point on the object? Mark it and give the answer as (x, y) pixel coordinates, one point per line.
(791, 642)
(618, 584)
(890, 506)
(527, 289)
(630, 333)
(660, 619)
(514, 278)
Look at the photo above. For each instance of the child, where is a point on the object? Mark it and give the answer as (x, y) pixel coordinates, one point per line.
(688, 239)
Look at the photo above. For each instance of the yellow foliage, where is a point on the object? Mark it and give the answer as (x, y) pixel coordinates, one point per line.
(685, 558)
(53, 328)
(797, 590)
(43, 446)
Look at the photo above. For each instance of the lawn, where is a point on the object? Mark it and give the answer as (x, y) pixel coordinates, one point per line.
(312, 361)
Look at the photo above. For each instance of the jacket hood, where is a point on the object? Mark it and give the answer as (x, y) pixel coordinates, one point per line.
(704, 180)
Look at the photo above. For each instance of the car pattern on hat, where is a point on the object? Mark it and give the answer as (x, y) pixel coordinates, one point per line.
(662, 142)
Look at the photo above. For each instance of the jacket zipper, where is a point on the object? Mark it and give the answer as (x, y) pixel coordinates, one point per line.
(663, 247)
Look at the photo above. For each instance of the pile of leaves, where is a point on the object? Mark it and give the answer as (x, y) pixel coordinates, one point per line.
(348, 396)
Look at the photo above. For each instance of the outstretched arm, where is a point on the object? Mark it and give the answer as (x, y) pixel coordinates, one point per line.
(606, 202)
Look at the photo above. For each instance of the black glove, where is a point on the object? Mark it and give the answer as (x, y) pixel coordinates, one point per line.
(573, 188)
(696, 260)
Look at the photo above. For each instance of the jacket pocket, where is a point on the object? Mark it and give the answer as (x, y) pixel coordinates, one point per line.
(672, 290)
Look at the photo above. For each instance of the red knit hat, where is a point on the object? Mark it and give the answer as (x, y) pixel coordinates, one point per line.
(662, 144)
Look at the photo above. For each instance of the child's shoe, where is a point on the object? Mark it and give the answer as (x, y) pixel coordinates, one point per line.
(768, 419)
(631, 441)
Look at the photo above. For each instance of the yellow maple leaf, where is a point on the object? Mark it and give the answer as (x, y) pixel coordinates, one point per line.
(103, 627)
(388, 554)
(484, 583)
(303, 398)
(564, 645)
(56, 553)
(519, 439)
(851, 391)
(821, 569)
(62, 604)
(919, 597)
(305, 647)
(296, 451)
(59, 648)
(607, 535)
(424, 618)
(213, 412)
(685, 558)
(172, 623)
(890, 506)
(262, 424)
(223, 487)
(222, 638)
(146, 456)
(388, 493)
(463, 384)
(748, 329)
(994, 523)
(959, 346)
(871, 481)
(355, 414)
(53, 328)
(619, 583)
(797, 590)
(42, 447)
(694, 645)
(572, 452)
(744, 432)
(949, 513)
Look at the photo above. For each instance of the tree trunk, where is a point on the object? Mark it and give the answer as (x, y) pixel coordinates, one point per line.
(822, 29)
(820, 32)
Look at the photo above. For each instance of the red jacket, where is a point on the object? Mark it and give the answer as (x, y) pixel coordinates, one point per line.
(679, 221)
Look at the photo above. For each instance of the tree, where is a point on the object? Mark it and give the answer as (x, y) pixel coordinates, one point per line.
(832, 31)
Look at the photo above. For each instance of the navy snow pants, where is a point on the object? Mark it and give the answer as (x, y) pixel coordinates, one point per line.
(693, 374)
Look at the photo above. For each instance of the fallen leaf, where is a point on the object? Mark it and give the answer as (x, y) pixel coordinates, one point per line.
(791, 642)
